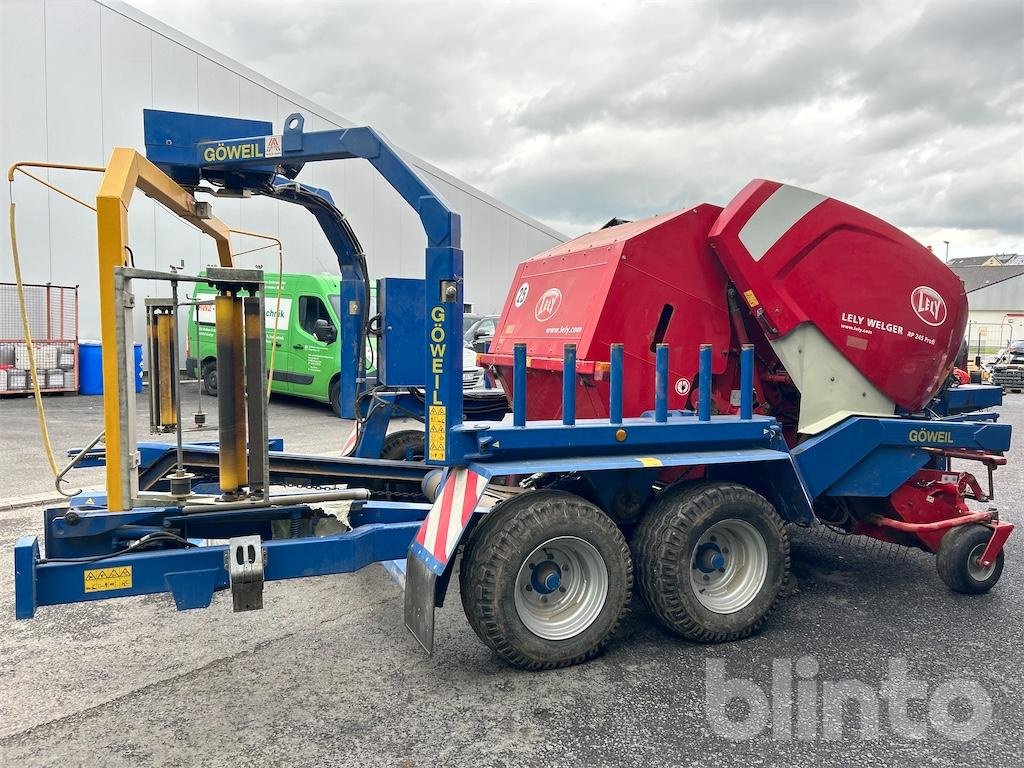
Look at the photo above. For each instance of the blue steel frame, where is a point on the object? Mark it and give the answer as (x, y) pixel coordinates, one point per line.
(157, 459)
(234, 153)
(193, 575)
(862, 456)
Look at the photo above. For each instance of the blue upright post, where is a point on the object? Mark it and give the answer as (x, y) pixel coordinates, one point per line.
(615, 386)
(353, 296)
(569, 385)
(661, 384)
(747, 381)
(519, 385)
(704, 392)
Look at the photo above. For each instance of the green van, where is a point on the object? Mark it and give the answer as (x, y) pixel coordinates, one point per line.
(306, 357)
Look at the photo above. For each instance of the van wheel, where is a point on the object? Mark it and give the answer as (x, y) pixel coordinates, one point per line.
(210, 378)
(334, 396)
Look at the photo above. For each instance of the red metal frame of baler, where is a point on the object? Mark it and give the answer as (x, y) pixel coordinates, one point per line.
(934, 502)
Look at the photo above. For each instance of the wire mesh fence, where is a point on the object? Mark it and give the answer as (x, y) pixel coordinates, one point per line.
(53, 324)
(987, 339)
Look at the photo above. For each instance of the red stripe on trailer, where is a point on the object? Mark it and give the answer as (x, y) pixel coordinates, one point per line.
(350, 441)
(437, 528)
(450, 513)
(467, 504)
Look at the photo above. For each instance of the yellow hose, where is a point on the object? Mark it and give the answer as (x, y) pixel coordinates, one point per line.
(43, 429)
(20, 287)
(20, 168)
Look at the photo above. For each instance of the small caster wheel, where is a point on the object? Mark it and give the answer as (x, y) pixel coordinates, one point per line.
(959, 560)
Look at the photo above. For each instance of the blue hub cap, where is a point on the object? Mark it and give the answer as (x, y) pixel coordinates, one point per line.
(729, 566)
(708, 558)
(561, 588)
(546, 578)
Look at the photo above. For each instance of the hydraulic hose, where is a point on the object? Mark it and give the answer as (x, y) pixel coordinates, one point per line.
(19, 167)
(43, 429)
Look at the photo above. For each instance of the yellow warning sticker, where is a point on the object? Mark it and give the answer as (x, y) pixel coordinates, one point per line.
(436, 419)
(751, 298)
(105, 579)
(649, 461)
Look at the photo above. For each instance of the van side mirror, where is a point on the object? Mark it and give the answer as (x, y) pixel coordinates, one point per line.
(324, 331)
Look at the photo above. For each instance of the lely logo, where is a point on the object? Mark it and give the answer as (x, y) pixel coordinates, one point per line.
(928, 305)
(548, 304)
(521, 294)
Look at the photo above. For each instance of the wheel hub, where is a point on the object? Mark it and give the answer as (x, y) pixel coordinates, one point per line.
(561, 588)
(978, 571)
(728, 566)
(709, 558)
(546, 578)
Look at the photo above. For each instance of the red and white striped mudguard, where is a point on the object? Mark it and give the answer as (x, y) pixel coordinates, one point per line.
(449, 515)
(350, 442)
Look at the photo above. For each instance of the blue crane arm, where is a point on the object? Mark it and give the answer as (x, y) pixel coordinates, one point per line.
(355, 285)
(244, 155)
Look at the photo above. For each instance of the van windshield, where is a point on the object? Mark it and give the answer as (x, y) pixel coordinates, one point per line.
(335, 300)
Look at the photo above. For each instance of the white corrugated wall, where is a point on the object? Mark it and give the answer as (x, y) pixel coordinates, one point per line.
(76, 75)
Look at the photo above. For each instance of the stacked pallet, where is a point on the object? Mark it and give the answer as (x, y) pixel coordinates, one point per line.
(54, 363)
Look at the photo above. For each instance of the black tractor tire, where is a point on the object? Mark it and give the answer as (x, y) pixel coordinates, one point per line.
(667, 545)
(210, 378)
(957, 560)
(553, 525)
(334, 397)
(404, 445)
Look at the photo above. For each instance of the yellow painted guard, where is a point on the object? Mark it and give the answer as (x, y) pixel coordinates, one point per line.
(128, 170)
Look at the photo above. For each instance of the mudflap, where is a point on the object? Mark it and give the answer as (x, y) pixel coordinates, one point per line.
(420, 586)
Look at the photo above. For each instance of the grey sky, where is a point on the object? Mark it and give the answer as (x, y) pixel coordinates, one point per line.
(577, 112)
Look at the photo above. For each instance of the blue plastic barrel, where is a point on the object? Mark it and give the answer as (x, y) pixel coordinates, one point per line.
(90, 368)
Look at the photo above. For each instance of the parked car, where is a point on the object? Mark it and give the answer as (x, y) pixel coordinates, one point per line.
(481, 332)
(1012, 353)
(469, 319)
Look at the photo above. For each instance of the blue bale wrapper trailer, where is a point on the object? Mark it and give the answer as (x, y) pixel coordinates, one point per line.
(546, 573)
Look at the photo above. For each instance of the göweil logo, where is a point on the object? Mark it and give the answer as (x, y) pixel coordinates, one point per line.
(928, 305)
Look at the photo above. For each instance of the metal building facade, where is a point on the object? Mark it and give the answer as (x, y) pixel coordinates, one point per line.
(76, 75)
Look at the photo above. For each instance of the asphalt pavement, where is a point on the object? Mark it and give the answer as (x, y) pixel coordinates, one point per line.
(327, 675)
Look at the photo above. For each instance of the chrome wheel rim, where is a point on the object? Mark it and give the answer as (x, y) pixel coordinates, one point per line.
(978, 571)
(561, 588)
(728, 566)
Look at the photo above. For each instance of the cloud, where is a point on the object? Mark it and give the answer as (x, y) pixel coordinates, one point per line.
(575, 113)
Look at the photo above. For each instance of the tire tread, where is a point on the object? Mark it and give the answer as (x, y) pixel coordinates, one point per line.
(496, 536)
(656, 547)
